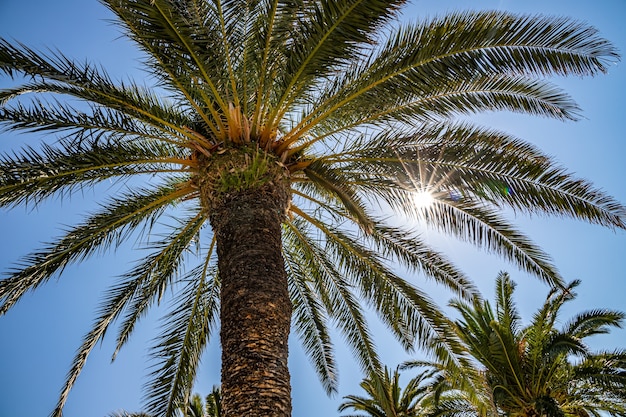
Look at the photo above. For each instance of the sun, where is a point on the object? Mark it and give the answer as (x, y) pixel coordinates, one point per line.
(423, 199)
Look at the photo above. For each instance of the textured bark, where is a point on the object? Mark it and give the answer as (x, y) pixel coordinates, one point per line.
(255, 303)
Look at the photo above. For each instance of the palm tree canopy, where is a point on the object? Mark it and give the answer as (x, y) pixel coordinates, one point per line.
(127, 414)
(539, 369)
(196, 407)
(336, 106)
(386, 397)
(210, 407)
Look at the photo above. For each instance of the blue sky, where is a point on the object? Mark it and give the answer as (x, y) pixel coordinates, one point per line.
(39, 336)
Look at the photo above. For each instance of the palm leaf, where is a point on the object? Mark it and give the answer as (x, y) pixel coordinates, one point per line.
(186, 332)
(158, 271)
(107, 229)
(339, 301)
(309, 314)
(31, 176)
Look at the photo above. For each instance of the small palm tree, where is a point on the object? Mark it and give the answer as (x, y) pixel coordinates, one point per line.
(386, 398)
(214, 403)
(272, 131)
(127, 414)
(211, 407)
(538, 370)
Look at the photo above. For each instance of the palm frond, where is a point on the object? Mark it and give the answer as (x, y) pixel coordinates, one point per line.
(114, 302)
(462, 160)
(186, 332)
(483, 228)
(58, 74)
(329, 34)
(594, 322)
(179, 45)
(506, 309)
(159, 270)
(309, 316)
(402, 245)
(32, 175)
(466, 45)
(407, 311)
(339, 301)
(333, 181)
(106, 229)
(214, 402)
(426, 101)
(412, 253)
(128, 414)
(99, 123)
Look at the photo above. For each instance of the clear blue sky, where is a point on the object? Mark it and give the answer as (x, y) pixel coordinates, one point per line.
(39, 336)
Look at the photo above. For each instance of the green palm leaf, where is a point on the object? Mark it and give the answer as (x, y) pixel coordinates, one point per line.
(158, 271)
(31, 176)
(186, 332)
(309, 315)
(103, 230)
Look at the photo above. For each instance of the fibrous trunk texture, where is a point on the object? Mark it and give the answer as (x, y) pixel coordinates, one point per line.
(255, 303)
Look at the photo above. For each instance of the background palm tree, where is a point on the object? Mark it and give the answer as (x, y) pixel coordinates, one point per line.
(256, 128)
(127, 414)
(538, 370)
(210, 407)
(386, 397)
(214, 403)
(196, 407)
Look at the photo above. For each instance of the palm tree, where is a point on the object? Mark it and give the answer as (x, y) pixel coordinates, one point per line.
(213, 403)
(127, 414)
(272, 132)
(539, 370)
(210, 407)
(385, 396)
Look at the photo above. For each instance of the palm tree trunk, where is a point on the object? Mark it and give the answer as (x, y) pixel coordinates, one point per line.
(255, 303)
